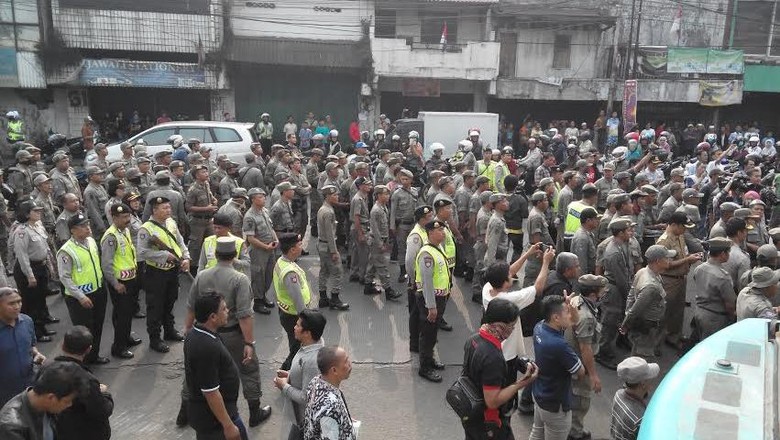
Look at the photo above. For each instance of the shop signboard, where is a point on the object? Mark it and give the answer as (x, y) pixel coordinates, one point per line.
(110, 72)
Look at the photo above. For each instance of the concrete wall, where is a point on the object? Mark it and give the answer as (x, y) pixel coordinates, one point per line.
(39, 118)
(477, 61)
(138, 31)
(535, 53)
(301, 19)
(702, 25)
(598, 90)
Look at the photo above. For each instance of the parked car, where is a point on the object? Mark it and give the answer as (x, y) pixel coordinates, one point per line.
(230, 138)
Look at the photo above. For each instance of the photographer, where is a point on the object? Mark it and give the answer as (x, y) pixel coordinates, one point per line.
(484, 365)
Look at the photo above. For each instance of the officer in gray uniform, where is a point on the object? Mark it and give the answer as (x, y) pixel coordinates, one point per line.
(496, 238)
(538, 232)
(43, 185)
(766, 256)
(64, 180)
(70, 207)
(20, 177)
(235, 210)
(379, 259)
(251, 175)
(201, 206)
(583, 337)
(402, 205)
(95, 198)
(331, 270)
(583, 243)
(228, 182)
(238, 333)
(262, 239)
(727, 210)
(164, 189)
(31, 268)
(146, 178)
(312, 173)
(714, 291)
(618, 270)
(646, 304)
(416, 239)
(480, 246)
(281, 212)
(360, 238)
(755, 300)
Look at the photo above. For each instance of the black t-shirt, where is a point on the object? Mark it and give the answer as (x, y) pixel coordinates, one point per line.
(484, 364)
(208, 366)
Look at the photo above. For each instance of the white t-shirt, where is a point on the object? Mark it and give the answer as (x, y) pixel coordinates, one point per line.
(513, 346)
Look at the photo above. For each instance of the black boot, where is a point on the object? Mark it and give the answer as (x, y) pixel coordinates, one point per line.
(258, 415)
(469, 274)
(391, 294)
(324, 301)
(402, 273)
(336, 303)
(181, 419)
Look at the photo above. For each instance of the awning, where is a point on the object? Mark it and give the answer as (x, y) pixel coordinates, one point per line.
(761, 78)
(282, 51)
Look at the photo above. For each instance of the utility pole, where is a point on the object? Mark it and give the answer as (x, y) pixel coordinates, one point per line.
(636, 43)
(626, 60)
(617, 37)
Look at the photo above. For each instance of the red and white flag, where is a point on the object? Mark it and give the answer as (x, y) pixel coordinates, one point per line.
(674, 32)
(443, 34)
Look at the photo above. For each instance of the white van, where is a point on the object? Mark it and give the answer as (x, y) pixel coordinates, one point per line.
(233, 139)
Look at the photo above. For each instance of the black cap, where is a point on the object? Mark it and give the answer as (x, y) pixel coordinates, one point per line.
(421, 212)
(120, 208)
(222, 219)
(77, 220)
(500, 310)
(434, 224)
(288, 240)
(441, 203)
(158, 201)
(680, 218)
(362, 181)
(587, 214)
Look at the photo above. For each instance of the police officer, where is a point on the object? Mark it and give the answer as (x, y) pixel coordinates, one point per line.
(604, 185)
(64, 180)
(312, 173)
(480, 246)
(465, 247)
(146, 179)
(164, 189)
(162, 248)
(755, 300)
(538, 232)
(432, 279)
(228, 182)
(263, 241)
(78, 261)
(496, 238)
(251, 175)
(402, 206)
(583, 337)
(727, 210)
(201, 205)
(95, 198)
(234, 209)
(415, 241)
(443, 208)
(331, 270)
(238, 334)
(292, 290)
(300, 200)
(583, 244)
(223, 225)
(31, 272)
(70, 207)
(646, 304)
(618, 270)
(120, 272)
(714, 291)
(281, 212)
(379, 260)
(20, 176)
(360, 215)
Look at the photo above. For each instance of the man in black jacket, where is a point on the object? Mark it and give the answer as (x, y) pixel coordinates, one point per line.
(517, 213)
(87, 419)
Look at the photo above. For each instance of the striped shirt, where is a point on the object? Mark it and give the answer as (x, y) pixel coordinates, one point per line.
(627, 412)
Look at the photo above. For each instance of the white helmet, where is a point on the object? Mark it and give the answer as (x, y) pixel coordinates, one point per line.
(318, 137)
(465, 145)
(265, 115)
(495, 152)
(619, 151)
(473, 133)
(140, 141)
(175, 140)
(378, 132)
(396, 137)
(437, 146)
(414, 134)
(753, 139)
(13, 114)
(334, 133)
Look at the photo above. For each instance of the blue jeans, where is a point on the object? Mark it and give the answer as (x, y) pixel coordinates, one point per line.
(218, 435)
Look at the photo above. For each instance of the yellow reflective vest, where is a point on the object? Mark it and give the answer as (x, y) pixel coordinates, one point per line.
(282, 268)
(210, 249)
(125, 265)
(167, 239)
(441, 273)
(85, 272)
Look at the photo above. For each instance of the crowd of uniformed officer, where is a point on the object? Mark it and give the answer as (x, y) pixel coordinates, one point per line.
(146, 223)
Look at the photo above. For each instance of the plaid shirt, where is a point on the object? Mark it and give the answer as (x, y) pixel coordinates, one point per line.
(540, 173)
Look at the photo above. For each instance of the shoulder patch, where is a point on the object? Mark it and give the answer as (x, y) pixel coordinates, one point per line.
(294, 278)
(428, 261)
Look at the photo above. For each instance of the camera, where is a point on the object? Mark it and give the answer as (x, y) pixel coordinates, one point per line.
(543, 247)
(522, 364)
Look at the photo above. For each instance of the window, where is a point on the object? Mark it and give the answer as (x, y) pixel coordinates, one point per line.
(196, 132)
(225, 135)
(384, 23)
(157, 137)
(562, 52)
(433, 24)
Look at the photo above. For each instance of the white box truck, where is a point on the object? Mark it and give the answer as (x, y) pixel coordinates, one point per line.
(449, 128)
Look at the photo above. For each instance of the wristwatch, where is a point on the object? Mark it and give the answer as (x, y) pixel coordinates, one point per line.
(249, 344)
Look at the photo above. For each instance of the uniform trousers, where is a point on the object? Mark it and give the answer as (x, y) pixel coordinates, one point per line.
(162, 289)
(90, 318)
(429, 330)
(464, 254)
(707, 323)
(516, 240)
(288, 322)
(580, 404)
(479, 257)
(414, 318)
(610, 319)
(360, 253)
(300, 216)
(330, 271)
(402, 231)
(675, 306)
(122, 312)
(261, 272)
(646, 340)
(378, 264)
(34, 298)
(316, 204)
(200, 228)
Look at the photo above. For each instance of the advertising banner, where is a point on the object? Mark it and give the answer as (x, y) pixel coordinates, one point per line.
(697, 60)
(720, 93)
(156, 74)
(629, 104)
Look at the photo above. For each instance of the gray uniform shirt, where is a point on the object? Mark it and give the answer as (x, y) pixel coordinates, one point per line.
(359, 206)
(713, 287)
(258, 223)
(647, 298)
(604, 186)
(61, 229)
(236, 217)
(281, 216)
(63, 183)
(402, 205)
(326, 225)
(30, 244)
(380, 224)
(752, 303)
(177, 203)
(496, 238)
(234, 285)
(226, 185)
(737, 265)
(583, 245)
(95, 198)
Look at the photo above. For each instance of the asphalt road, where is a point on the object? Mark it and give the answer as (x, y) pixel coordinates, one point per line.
(384, 391)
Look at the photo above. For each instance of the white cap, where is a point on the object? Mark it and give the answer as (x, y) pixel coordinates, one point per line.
(437, 146)
(334, 133)
(473, 133)
(634, 370)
